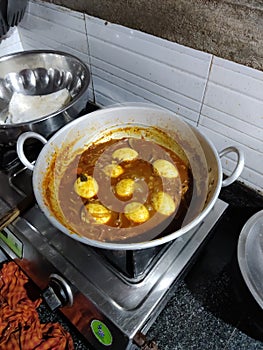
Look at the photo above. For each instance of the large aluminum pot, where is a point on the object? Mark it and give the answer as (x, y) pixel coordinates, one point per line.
(39, 72)
(155, 124)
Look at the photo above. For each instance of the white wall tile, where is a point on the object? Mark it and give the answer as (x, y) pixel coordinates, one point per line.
(232, 114)
(156, 70)
(48, 26)
(43, 27)
(250, 177)
(11, 43)
(224, 99)
(236, 104)
(225, 118)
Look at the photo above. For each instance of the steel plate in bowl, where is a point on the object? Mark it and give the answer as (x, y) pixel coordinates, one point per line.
(250, 255)
(39, 73)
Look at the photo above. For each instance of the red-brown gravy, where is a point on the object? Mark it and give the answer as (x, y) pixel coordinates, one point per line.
(113, 224)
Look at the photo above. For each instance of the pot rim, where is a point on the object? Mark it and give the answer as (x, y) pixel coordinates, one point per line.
(128, 246)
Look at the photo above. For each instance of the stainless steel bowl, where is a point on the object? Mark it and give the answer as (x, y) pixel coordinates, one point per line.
(40, 72)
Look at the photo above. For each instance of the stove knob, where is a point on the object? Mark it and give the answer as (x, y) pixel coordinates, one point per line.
(58, 293)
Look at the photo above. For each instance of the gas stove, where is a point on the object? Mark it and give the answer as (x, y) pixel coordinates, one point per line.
(111, 297)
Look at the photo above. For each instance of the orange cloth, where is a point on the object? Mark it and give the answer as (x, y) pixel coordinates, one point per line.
(20, 327)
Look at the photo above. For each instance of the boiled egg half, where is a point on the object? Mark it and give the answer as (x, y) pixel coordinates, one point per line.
(165, 168)
(136, 212)
(163, 203)
(125, 154)
(97, 211)
(86, 186)
(125, 187)
(113, 170)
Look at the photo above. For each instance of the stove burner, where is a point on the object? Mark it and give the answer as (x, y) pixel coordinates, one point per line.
(133, 264)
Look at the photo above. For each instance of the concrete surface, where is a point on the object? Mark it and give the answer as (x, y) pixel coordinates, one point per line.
(231, 29)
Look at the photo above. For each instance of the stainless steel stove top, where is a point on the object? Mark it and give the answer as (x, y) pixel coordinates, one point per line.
(95, 293)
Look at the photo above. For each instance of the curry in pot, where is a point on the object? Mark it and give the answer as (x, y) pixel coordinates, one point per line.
(125, 190)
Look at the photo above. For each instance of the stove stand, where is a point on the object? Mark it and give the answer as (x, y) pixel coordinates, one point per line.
(105, 305)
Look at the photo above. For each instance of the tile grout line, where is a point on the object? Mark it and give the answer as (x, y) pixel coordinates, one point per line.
(89, 57)
(205, 90)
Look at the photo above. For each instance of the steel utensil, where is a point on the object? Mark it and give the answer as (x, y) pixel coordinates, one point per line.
(40, 72)
(250, 255)
(15, 11)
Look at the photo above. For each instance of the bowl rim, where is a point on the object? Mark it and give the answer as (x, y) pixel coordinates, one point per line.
(84, 88)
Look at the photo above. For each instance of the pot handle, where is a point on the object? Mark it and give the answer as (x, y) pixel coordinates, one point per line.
(239, 166)
(20, 147)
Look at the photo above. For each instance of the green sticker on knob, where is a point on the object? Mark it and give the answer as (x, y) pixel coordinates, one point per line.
(101, 332)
